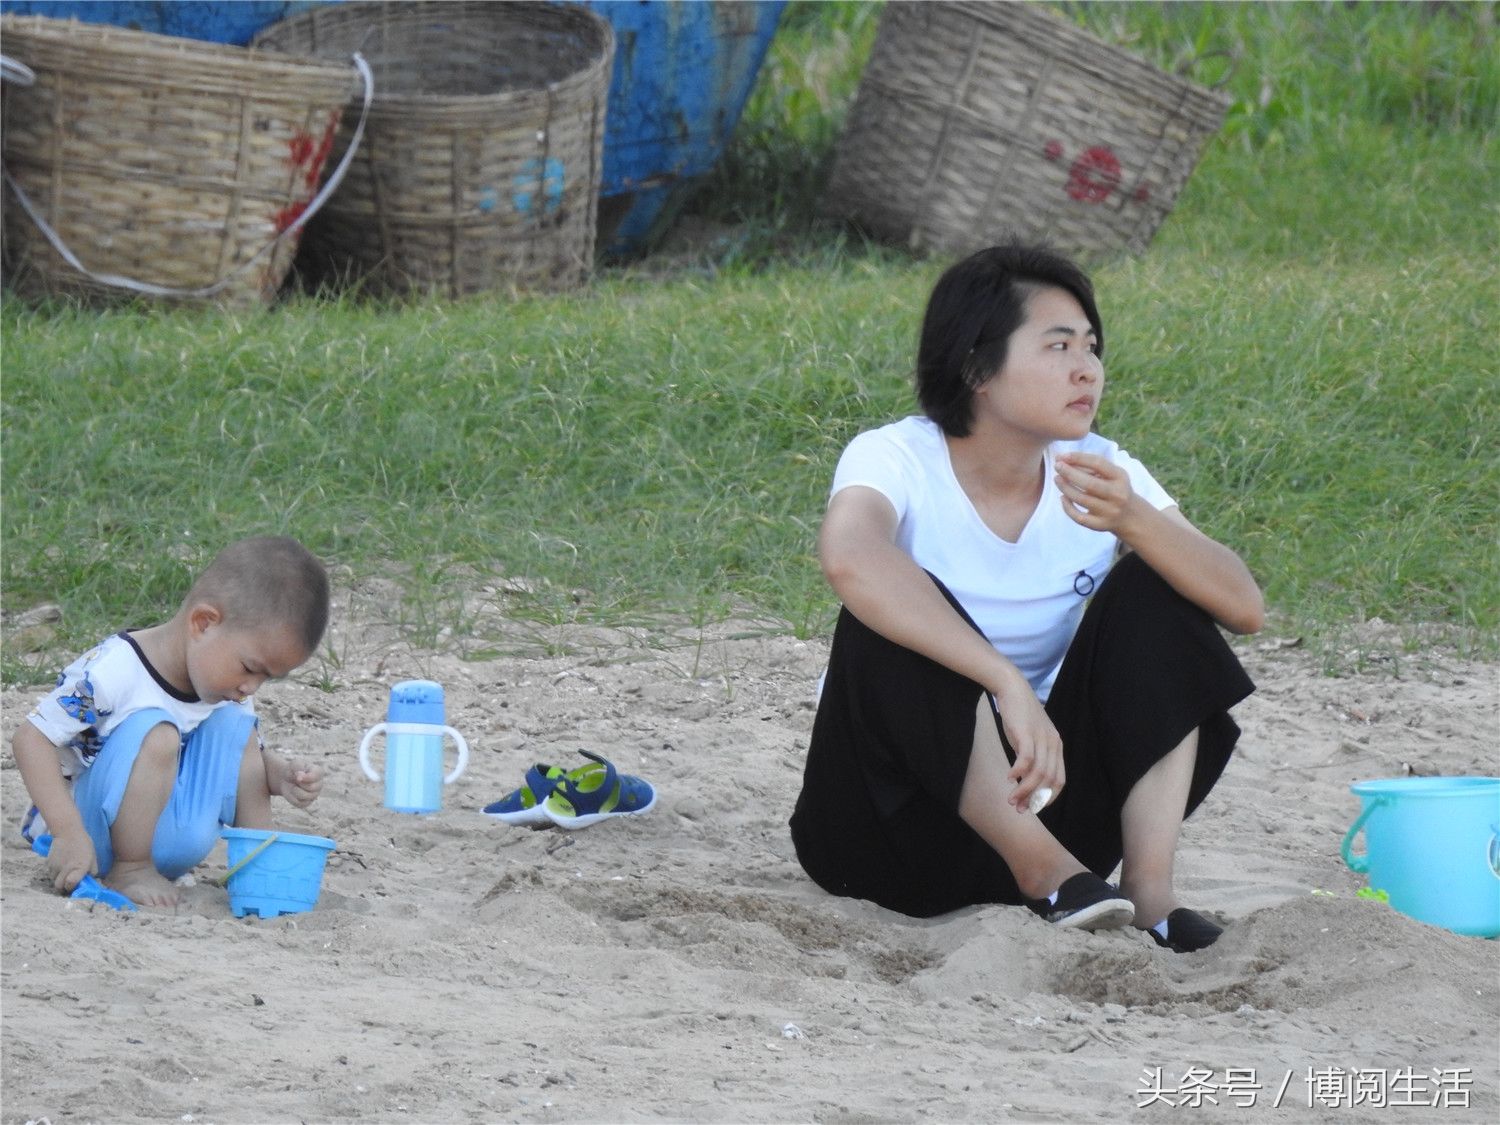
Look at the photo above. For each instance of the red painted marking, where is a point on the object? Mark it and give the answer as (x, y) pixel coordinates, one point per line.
(300, 148)
(1142, 193)
(1094, 175)
(289, 215)
(1053, 151)
(325, 146)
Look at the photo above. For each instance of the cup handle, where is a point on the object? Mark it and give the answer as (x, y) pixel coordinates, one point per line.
(364, 751)
(463, 756)
(1359, 864)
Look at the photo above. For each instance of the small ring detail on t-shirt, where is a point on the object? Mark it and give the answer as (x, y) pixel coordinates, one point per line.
(1083, 584)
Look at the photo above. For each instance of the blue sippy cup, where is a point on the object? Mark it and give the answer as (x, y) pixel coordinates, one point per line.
(414, 731)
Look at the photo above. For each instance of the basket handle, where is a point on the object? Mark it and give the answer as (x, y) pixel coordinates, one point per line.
(312, 208)
(1233, 54)
(13, 70)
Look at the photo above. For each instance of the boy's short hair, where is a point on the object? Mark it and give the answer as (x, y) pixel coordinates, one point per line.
(267, 580)
(974, 308)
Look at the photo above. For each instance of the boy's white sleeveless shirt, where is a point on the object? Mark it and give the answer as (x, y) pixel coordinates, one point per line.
(99, 691)
(1028, 596)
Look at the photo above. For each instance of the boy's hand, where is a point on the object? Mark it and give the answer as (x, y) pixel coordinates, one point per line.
(302, 783)
(71, 858)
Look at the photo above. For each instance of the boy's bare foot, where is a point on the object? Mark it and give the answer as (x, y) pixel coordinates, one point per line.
(142, 884)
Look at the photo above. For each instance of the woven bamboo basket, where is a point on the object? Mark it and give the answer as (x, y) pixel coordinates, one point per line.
(167, 167)
(483, 153)
(974, 121)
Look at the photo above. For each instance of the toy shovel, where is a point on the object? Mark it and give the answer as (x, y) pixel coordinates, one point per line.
(88, 886)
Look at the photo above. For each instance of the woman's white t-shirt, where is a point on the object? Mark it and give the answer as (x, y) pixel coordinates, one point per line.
(1027, 597)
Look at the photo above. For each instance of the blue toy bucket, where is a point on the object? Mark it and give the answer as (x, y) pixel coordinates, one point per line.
(1433, 845)
(273, 873)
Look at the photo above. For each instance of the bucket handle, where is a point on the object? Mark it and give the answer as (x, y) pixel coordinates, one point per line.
(1359, 864)
(1493, 851)
(314, 205)
(223, 880)
(413, 728)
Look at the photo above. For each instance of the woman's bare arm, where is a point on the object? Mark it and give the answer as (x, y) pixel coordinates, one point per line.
(883, 587)
(1097, 494)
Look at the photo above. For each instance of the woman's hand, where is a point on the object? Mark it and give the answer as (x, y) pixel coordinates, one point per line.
(1037, 745)
(1095, 492)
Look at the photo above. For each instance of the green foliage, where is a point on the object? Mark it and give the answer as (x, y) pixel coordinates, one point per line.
(1298, 70)
(1303, 358)
(1337, 434)
(641, 448)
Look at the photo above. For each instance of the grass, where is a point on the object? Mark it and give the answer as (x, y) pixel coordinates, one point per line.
(1303, 358)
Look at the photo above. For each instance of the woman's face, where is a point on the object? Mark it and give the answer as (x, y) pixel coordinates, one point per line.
(1050, 385)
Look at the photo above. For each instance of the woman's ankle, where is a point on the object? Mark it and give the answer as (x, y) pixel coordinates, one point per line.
(1041, 884)
(1152, 903)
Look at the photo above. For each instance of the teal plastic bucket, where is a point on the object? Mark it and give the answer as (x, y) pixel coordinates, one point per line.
(273, 873)
(1432, 844)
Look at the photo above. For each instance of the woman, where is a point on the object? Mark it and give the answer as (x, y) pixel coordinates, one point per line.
(968, 685)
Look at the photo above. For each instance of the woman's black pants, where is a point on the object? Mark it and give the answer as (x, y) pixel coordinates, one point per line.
(877, 817)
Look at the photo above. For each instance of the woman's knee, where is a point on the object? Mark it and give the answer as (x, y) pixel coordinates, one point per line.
(1142, 608)
(1132, 577)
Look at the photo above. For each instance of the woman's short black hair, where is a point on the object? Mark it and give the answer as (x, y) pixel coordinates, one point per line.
(974, 308)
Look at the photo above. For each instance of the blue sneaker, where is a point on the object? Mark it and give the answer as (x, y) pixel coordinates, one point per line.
(523, 806)
(597, 792)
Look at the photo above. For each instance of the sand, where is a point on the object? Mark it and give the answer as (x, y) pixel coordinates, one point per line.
(680, 966)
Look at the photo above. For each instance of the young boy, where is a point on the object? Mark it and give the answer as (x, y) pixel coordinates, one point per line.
(147, 746)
